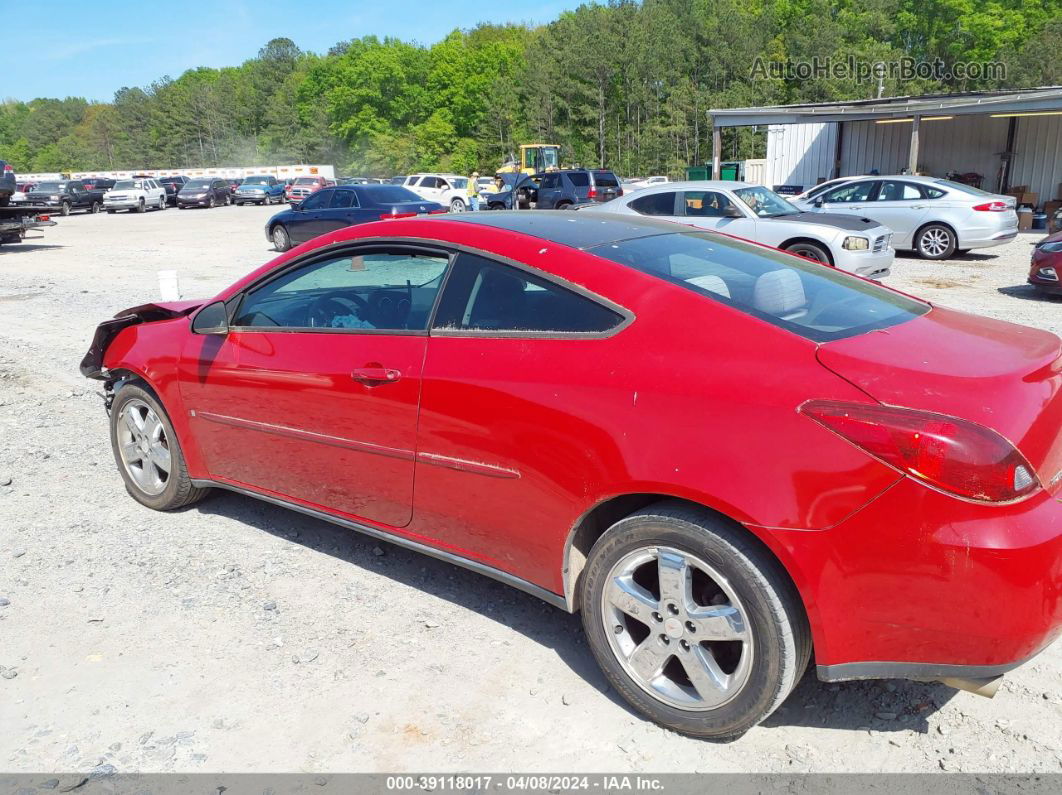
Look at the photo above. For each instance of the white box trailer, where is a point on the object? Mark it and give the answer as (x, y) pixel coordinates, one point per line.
(282, 172)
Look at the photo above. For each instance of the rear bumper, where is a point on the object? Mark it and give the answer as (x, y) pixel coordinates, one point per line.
(984, 238)
(922, 585)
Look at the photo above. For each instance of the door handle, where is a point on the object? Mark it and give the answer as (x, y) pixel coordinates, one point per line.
(373, 376)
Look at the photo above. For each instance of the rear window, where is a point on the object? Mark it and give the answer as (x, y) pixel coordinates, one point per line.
(814, 301)
(947, 183)
(580, 179)
(389, 194)
(605, 179)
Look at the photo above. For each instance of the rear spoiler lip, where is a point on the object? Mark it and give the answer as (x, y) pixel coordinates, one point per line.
(92, 363)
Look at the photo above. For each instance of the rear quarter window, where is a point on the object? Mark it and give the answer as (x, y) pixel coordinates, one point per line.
(813, 301)
(580, 179)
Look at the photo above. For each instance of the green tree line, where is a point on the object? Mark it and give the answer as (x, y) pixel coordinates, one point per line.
(625, 84)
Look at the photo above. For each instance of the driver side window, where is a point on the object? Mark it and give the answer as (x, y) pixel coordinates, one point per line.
(388, 290)
(317, 201)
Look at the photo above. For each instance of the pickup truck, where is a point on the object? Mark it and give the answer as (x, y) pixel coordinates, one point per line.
(263, 189)
(65, 196)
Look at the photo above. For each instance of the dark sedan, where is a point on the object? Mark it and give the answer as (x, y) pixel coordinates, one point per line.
(333, 208)
(208, 192)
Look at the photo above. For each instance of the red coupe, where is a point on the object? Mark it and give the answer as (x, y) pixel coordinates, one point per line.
(724, 456)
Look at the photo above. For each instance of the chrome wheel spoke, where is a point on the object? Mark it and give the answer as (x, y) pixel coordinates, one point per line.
(130, 451)
(133, 421)
(674, 574)
(707, 678)
(717, 623)
(631, 599)
(160, 458)
(649, 657)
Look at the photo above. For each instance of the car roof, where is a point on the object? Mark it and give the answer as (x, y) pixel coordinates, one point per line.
(565, 227)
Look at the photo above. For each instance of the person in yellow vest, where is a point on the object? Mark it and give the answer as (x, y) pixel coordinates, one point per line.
(473, 191)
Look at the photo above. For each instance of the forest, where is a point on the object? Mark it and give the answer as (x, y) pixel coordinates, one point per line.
(624, 84)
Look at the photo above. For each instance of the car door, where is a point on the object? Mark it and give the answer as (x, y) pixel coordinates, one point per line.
(710, 209)
(342, 210)
(510, 353)
(308, 221)
(313, 393)
(901, 206)
(851, 198)
(76, 189)
(549, 191)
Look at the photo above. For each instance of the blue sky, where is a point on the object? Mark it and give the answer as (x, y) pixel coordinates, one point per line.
(91, 48)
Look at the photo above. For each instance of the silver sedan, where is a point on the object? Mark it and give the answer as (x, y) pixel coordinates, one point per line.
(934, 217)
(755, 213)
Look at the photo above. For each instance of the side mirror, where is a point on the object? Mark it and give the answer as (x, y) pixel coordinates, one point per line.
(212, 319)
(732, 212)
(817, 203)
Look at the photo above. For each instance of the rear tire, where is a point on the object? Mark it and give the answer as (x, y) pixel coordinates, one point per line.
(725, 616)
(111, 212)
(144, 445)
(281, 238)
(810, 251)
(935, 242)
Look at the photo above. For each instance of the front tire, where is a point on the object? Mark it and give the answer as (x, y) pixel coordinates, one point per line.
(692, 621)
(147, 452)
(95, 208)
(457, 206)
(64, 209)
(809, 251)
(162, 203)
(935, 242)
(281, 238)
(210, 202)
(141, 206)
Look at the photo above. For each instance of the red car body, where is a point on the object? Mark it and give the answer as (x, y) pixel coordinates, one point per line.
(1046, 267)
(505, 452)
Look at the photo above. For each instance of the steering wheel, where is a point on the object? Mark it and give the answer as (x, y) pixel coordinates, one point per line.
(323, 309)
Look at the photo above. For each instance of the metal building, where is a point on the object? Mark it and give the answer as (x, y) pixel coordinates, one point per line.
(1008, 137)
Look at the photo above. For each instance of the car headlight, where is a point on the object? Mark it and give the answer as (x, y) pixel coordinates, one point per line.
(1051, 246)
(856, 243)
(1048, 273)
(54, 198)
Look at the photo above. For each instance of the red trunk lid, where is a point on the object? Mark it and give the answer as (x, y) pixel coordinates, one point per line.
(1003, 376)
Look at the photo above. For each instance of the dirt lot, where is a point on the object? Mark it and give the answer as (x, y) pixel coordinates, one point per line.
(239, 636)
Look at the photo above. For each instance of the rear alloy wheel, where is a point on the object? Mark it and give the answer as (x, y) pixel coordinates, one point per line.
(281, 239)
(935, 241)
(809, 251)
(147, 452)
(457, 206)
(141, 206)
(693, 622)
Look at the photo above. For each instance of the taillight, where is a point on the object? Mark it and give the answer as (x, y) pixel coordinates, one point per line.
(8, 169)
(619, 191)
(991, 207)
(385, 216)
(592, 193)
(947, 453)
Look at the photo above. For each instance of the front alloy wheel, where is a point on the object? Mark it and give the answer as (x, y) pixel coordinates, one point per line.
(281, 240)
(936, 241)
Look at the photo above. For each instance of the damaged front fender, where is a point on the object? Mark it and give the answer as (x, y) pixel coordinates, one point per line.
(92, 363)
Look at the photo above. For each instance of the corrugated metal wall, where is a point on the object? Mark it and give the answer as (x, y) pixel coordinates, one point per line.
(1038, 155)
(799, 154)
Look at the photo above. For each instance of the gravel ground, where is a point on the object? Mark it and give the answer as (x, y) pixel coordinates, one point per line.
(239, 636)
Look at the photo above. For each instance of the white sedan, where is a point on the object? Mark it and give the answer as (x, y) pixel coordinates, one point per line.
(856, 245)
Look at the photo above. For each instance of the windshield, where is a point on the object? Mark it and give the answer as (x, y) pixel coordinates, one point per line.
(814, 301)
(550, 158)
(256, 181)
(305, 181)
(198, 183)
(765, 203)
(390, 194)
(51, 186)
(127, 184)
(947, 183)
